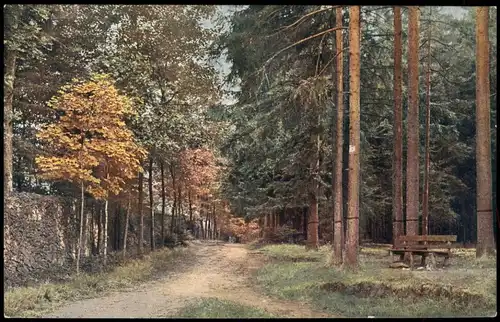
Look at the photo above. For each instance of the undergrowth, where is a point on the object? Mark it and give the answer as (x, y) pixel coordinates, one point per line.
(42, 299)
(466, 288)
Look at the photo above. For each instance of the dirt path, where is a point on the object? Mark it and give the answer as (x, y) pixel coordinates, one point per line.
(220, 271)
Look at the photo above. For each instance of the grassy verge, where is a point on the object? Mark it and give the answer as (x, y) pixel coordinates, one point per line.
(466, 288)
(42, 299)
(215, 308)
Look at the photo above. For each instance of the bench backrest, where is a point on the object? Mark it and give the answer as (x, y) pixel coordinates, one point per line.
(441, 240)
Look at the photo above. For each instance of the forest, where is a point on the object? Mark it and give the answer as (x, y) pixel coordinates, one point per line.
(330, 127)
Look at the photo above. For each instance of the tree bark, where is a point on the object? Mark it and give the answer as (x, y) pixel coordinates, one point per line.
(151, 205)
(412, 162)
(354, 139)
(339, 143)
(105, 250)
(174, 205)
(427, 162)
(99, 230)
(163, 201)
(8, 88)
(141, 215)
(209, 231)
(485, 237)
(215, 222)
(190, 208)
(180, 215)
(125, 229)
(79, 246)
(397, 165)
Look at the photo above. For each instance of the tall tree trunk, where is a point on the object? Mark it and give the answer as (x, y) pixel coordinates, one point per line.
(397, 161)
(141, 215)
(339, 143)
(190, 208)
(82, 211)
(99, 229)
(151, 205)
(92, 237)
(180, 214)
(412, 162)
(215, 222)
(202, 231)
(125, 229)
(354, 139)
(209, 232)
(163, 201)
(105, 251)
(485, 237)
(8, 88)
(265, 230)
(174, 205)
(427, 162)
(313, 223)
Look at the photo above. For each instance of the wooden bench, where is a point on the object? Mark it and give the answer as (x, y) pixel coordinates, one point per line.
(424, 245)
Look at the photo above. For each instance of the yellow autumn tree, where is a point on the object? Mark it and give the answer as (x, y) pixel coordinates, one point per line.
(90, 142)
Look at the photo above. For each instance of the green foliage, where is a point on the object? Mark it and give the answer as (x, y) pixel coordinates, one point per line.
(269, 147)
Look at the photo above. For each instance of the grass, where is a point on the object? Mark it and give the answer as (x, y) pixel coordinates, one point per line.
(288, 276)
(40, 300)
(215, 308)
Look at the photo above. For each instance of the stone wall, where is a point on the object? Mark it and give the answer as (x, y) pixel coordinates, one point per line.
(40, 234)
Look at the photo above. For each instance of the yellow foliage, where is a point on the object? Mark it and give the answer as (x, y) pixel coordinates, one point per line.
(90, 140)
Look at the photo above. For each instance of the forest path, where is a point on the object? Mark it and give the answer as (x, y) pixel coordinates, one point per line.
(220, 271)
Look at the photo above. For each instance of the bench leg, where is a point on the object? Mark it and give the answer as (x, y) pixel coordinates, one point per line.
(411, 261)
(446, 261)
(433, 260)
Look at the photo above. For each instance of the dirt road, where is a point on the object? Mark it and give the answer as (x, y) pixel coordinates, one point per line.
(220, 271)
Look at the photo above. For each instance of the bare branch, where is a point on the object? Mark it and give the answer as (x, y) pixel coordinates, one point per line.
(301, 41)
(301, 19)
(330, 61)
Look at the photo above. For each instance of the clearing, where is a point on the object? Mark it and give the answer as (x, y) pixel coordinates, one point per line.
(219, 273)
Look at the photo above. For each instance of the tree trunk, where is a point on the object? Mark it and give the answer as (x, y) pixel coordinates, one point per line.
(8, 88)
(141, 215)
(215, 222)
(485, 237)
(354, 139)
(79, 246)
(105, 251)
(427, 162)
(92, 237)
(125, 229)
(99, 230)
(313, 224)
(265, 230)
(397, 165)
(163, 201)
(151, 205)
(202, 231)
(174, 205)
(209, 232)
(339, 143)
(180, 213)
(412, 162)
